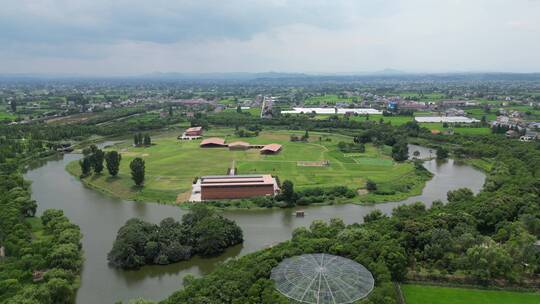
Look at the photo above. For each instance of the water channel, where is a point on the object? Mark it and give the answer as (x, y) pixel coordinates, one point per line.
(100, 217)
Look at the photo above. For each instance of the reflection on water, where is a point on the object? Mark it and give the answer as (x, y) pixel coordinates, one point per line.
(100, 217)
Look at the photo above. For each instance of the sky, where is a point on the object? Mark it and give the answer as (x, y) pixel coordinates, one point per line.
(133, 37)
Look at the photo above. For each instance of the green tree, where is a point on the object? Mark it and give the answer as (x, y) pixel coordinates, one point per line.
(442, 153)
(400, 151)
(137, 171)
(287, 192)
(97, 161)
(371, 185)
(147, 141)
(86, 166)
(112, 160)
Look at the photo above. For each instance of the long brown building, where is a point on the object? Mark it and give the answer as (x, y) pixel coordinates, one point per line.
(237, 186)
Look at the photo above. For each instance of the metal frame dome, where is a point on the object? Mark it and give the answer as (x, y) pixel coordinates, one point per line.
(322, 278)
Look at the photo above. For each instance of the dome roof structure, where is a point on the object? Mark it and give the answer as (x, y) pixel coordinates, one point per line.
(322, 279)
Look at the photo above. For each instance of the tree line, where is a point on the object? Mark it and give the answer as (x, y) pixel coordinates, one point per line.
(93, 161)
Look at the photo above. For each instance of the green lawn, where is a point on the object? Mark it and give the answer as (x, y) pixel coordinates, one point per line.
(424, 294)
(172, 165)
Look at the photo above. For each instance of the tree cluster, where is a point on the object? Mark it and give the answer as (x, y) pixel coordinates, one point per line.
(201, 232)
(140, 140)
(93, 161)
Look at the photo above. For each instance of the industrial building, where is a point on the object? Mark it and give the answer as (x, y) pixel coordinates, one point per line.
(235, 186)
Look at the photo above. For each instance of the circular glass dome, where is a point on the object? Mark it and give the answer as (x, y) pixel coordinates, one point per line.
(322, 278)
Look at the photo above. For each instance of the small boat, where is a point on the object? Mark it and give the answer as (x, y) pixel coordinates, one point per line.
(300, 213)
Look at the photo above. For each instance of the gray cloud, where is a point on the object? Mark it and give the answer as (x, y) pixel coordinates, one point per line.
(126, 37)
(165, 21)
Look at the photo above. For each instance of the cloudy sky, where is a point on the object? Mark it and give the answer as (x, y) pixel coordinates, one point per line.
(126, 37)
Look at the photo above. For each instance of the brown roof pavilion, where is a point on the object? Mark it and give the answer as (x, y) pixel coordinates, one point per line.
(271, 148)
(213, 142)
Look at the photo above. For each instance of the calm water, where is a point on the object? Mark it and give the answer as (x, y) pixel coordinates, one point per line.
(100, 217)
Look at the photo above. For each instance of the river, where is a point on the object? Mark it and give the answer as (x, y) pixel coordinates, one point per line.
(100, 217)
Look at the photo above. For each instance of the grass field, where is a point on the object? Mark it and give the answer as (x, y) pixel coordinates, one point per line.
(424, 294)
(172, 165)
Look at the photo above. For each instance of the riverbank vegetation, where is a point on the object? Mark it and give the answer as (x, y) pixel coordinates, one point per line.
(40, 259)
(201, 232)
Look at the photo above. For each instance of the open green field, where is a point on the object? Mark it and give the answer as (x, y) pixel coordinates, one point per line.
(172, 165)
(424, 294)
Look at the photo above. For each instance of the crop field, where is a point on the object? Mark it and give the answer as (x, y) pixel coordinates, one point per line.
(172, 165)
(422, 294)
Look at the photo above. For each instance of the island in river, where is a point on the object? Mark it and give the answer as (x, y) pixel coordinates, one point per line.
(324, 161)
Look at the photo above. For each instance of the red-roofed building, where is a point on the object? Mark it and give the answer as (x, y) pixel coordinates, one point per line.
(193, 131)
(237, 186)
(271, 149)
(213, 142)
